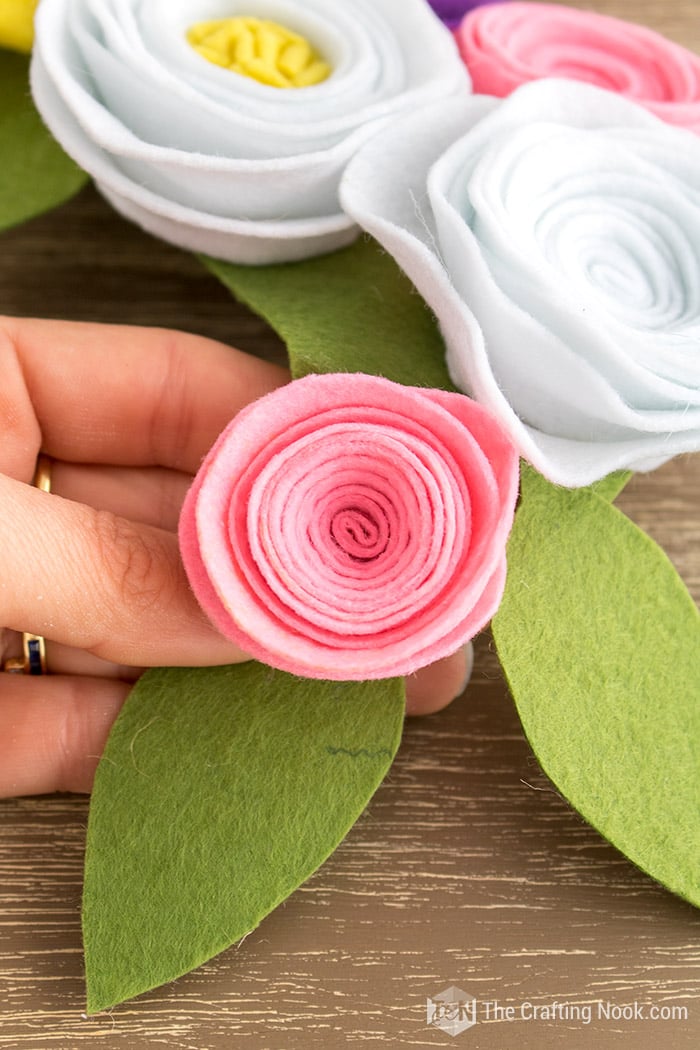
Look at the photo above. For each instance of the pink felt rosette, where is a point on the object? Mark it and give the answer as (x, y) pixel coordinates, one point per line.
(509, 44)
(345, 527)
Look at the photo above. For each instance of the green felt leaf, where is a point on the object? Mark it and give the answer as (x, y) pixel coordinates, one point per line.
(220, 791)
(610, 487)
(352, 311)
(35, 173)
(600, 643)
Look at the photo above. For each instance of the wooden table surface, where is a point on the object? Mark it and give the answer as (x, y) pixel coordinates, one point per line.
(468, 868)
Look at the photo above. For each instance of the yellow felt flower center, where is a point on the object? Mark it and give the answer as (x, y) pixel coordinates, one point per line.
(17, 24)
(263, 50)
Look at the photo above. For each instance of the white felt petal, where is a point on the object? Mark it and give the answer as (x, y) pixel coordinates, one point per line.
(557, 240)
(585, 252)
(234, 240)
(250, 243)
(178, 143)
(221, 111)
(281, 188)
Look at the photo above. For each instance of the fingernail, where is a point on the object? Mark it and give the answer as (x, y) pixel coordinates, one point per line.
(469, 658)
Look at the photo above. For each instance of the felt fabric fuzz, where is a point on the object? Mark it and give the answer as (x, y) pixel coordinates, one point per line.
(346, 527)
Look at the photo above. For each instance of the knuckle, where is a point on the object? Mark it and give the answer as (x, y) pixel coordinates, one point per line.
(70, 733)
(73, 745)
(78, 730)
(20, 427)
(130, 562)
(168, 500)
(173, 402)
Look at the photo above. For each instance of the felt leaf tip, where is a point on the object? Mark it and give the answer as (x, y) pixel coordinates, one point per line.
(36, 175)
(192, 840)
(335, 311)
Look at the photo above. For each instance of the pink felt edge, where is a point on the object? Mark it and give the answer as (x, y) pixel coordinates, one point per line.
(499, 44)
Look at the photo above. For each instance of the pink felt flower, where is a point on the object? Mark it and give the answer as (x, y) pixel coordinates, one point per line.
(346, 527)
(507, 45)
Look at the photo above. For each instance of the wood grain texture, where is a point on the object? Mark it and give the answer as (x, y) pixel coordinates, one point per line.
(467, 869)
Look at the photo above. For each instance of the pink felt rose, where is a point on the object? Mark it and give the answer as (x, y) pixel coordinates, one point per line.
(346, 527)
(507, 45)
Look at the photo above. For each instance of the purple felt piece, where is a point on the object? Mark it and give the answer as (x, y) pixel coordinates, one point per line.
(453, 11)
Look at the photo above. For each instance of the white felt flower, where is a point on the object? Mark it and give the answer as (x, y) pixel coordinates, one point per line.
(210, 158)
(556, 235)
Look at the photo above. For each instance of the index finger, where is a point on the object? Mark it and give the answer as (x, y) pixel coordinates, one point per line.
(92, 393)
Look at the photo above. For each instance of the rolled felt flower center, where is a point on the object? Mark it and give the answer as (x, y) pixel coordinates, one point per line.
(360, 531)
(262, 50)
(372, 531)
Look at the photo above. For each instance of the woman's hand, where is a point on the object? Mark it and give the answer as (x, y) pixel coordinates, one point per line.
(126, 415)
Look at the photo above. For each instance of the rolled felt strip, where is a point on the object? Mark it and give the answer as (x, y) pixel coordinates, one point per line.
(556, 236)
(346, 527)
(212, 159)
(509, 44)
